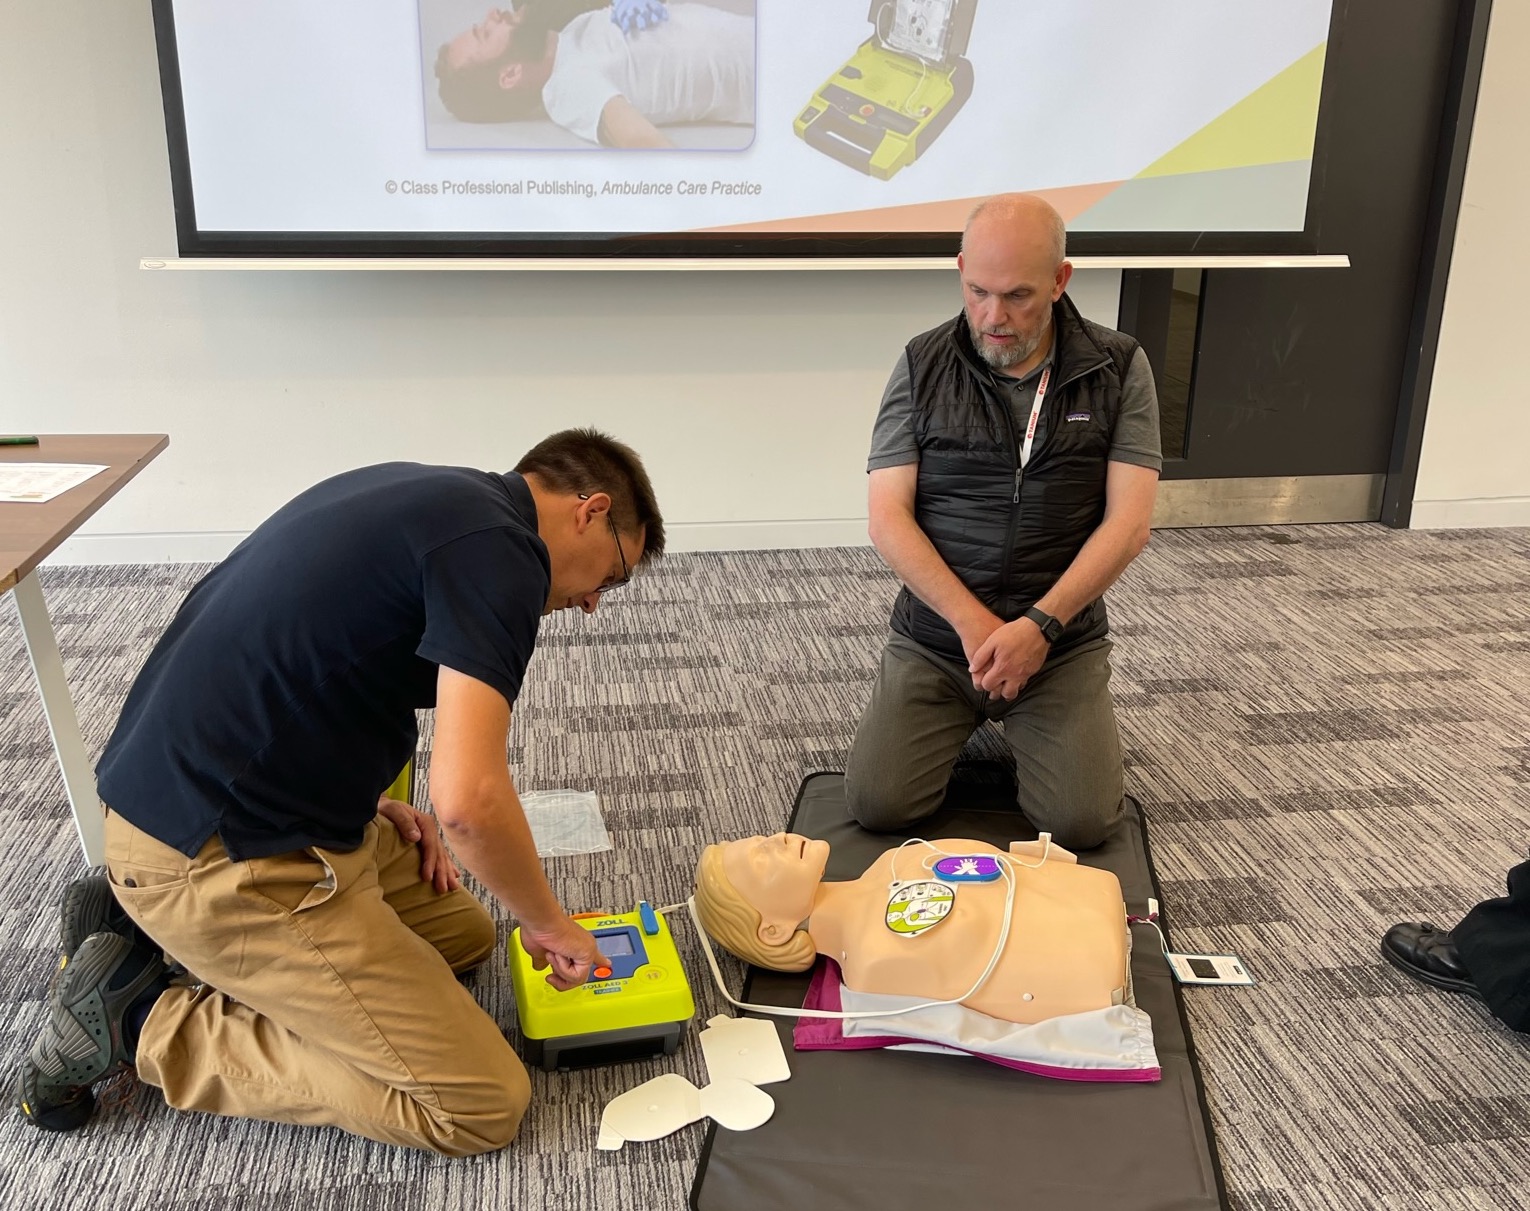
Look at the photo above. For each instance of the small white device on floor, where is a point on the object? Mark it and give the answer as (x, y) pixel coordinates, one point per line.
(1209, 969)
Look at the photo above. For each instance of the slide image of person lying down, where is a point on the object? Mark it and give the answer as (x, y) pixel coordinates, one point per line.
(552, 74)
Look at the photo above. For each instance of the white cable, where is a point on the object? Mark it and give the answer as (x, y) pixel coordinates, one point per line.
(1004, 861)
(1162, 941)
(924, 64)
(782, 1011)
(876, 28)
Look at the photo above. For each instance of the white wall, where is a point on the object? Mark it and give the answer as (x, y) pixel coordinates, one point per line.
(1475, 468)
(750, 396)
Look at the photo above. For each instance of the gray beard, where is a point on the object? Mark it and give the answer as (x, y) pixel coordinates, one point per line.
(1007, 356)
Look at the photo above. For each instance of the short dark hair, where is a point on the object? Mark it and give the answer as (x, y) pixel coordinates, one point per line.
(586, 460)
(472, 93)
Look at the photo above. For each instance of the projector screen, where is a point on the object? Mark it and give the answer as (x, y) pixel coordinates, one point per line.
(705, 127)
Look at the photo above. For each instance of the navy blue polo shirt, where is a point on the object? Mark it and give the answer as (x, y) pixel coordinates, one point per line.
(280, 702)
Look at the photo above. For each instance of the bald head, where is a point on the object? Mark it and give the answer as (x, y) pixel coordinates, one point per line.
(1013, 270)
(1019, 218)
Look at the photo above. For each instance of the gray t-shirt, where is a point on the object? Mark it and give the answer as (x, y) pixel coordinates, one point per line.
(1134, 440)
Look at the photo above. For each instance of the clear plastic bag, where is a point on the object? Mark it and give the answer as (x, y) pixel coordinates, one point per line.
(565, 822)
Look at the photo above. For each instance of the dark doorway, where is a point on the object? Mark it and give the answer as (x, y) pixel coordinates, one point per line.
(1289, 380)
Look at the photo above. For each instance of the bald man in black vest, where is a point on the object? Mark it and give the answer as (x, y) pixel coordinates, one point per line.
(1012, 475)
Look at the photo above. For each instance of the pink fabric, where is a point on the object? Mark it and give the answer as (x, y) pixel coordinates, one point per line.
(826, 1034)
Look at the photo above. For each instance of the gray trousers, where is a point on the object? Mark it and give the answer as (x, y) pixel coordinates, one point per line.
(1062, 729)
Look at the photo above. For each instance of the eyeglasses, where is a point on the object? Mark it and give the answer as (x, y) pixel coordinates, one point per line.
(620, 554)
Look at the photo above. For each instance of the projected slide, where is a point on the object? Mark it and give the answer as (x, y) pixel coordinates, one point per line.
(829, 116)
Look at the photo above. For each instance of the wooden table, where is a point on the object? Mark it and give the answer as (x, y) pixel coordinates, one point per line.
(29, 533)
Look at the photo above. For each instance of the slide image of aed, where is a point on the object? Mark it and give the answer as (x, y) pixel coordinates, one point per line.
(564, 75)
(900, 89)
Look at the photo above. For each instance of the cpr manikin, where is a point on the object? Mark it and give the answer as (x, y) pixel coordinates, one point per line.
(925, 921)
(1019, 956)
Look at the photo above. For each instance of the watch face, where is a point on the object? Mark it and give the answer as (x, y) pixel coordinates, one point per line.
(1050, 627)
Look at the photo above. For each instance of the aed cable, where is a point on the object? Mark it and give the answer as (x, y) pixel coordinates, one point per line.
(1005, 861)
(1152, 919)
(924, 64)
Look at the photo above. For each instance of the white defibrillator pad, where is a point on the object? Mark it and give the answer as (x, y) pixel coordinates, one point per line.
(663, 1105)
(745, 1049)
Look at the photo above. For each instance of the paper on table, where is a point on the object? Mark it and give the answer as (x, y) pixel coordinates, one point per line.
(34, 483)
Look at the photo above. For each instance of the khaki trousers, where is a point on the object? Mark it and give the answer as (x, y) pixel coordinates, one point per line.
(328, 992)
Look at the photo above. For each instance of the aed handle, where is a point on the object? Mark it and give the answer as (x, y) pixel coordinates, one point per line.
(851, 143)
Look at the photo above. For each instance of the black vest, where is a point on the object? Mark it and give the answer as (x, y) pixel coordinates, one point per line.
(1007, 534)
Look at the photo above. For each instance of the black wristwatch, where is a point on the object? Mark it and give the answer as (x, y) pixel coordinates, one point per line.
(1051, 629)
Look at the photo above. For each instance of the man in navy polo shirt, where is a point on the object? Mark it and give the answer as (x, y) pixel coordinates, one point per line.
(247, 834)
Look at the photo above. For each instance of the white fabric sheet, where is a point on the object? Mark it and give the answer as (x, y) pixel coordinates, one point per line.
(1117, 1038)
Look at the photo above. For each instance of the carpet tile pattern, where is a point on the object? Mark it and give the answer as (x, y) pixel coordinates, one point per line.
(1325, 725)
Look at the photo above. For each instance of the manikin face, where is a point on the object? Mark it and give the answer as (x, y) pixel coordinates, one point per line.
(1009, 283)
(778, 876)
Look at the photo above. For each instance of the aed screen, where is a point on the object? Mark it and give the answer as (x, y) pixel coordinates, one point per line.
(614, 945)
(1204, 969)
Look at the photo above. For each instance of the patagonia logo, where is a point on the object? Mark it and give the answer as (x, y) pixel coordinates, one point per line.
(1078, 416)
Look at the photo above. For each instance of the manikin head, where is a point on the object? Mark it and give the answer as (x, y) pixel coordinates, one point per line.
(494, 72)
(1013, 268)
(596, 514)
(753, 896)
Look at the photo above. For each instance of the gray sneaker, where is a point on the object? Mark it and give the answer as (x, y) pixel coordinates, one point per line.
(88, 906)
(84, 1040)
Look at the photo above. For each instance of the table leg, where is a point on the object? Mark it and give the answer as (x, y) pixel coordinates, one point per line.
(63, 724)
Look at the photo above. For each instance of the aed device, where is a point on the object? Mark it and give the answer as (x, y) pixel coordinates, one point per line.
(403, 786)
(881, 111)
(635, 1007)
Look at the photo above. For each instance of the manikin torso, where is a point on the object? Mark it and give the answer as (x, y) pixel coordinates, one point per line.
(1067, 949)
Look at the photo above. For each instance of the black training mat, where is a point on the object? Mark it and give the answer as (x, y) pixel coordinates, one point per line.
(886, 1129)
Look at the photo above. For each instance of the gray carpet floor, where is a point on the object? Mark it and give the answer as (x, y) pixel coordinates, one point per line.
(1325, 726)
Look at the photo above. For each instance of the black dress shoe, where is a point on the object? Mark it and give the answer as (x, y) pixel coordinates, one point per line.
(1427, 953)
